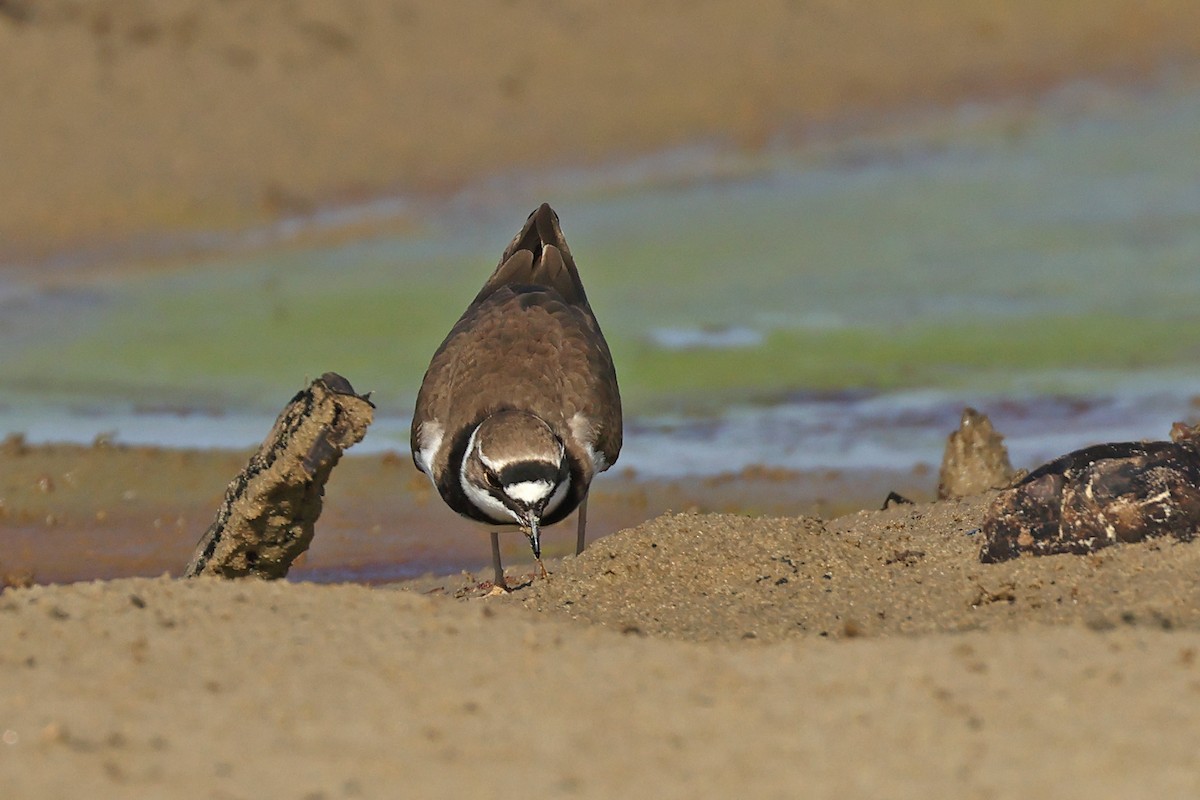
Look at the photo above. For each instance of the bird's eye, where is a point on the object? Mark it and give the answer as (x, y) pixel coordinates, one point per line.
(492, 478)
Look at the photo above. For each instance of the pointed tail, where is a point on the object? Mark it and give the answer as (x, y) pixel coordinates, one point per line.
(539, 256)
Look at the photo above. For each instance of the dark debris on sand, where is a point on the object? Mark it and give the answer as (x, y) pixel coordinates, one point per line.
(1097, 497)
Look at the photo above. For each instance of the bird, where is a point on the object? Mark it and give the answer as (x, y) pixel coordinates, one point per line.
(520, 407)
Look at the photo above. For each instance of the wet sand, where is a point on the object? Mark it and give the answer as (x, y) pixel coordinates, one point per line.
(70, 512)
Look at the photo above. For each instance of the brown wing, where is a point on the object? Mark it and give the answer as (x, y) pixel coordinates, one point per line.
(596, 387)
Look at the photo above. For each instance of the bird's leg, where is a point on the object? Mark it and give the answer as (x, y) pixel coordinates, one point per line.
(581, 531)
(499, 580)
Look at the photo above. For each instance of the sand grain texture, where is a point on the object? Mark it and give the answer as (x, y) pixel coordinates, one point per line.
(907, 570)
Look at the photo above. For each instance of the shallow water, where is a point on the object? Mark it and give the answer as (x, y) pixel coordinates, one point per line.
(829, 306)
(855, 430)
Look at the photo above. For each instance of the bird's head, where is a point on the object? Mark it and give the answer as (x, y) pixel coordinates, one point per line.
(515, 471)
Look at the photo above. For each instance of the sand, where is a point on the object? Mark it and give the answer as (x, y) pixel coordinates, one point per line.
(696, 655)
(786, 649)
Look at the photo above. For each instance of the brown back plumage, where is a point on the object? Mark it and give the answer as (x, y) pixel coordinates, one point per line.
(528, 341)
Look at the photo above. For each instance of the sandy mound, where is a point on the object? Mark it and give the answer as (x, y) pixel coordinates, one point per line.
(911, 569)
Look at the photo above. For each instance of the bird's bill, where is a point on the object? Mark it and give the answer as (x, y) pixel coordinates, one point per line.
(535, 536)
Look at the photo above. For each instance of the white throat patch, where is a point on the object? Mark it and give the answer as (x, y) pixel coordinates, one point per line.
(529, 492)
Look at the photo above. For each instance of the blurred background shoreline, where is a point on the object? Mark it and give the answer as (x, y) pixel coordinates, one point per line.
(812, 231)
(129, 121)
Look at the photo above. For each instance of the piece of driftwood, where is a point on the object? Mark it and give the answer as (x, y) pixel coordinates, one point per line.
(1098, 496)
(975, 460)
(270, 509)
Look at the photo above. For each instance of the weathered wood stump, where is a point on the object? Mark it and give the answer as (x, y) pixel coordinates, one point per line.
(975, 459)
(270, 509)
